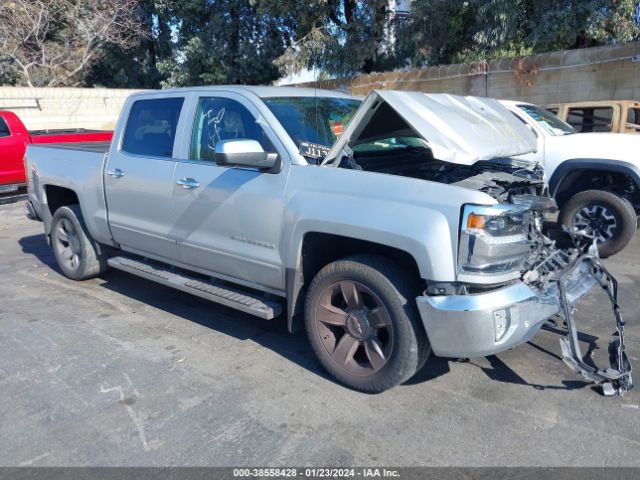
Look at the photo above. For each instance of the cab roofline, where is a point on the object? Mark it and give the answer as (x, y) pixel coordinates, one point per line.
(260, 91)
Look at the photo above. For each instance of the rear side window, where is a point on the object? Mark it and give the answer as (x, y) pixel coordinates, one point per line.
(151, 127)
(4, 128)
(591, 119)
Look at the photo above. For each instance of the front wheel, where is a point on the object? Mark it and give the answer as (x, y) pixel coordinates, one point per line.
(363, 324)
(78, 255)
(609, 218)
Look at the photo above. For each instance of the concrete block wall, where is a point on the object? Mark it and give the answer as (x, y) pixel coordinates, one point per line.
(601, 73)
(43, 108)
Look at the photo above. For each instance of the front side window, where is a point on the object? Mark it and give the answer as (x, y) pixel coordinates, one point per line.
(223, 119)
(151, 127)
(4, 128)
(591, 119)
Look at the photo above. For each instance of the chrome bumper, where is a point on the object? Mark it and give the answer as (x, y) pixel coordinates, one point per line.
(465, 326)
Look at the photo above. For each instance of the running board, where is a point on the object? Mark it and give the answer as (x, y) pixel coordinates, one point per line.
(240, 300)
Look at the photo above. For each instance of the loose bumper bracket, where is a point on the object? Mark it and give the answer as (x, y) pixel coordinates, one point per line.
(616, 379)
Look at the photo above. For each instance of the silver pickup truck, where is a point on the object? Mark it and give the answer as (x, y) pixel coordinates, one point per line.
(415, 232)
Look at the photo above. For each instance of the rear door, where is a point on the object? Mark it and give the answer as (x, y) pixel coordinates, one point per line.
(138, 177)
(229, 219)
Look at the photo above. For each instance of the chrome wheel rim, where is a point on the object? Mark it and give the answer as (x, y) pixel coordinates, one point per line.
(354, 327)
(67, 244)
(597, 221)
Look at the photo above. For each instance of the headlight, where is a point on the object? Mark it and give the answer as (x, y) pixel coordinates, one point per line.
(493, 239)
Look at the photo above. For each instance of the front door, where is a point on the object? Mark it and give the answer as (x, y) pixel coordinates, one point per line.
(139, 179)
(229, 219)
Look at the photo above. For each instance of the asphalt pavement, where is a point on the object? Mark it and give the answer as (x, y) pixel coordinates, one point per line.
(121, 371)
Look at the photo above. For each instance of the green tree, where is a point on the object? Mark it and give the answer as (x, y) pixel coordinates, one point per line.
(340, 37)
(221, 41)
(440, 30)
(446, 31)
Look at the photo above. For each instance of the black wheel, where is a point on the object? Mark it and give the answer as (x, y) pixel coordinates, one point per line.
(77, 254)
(609, 218)
(363, 324)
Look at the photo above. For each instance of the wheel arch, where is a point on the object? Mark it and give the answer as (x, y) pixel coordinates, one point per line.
(57, 197)
(54, 197)
(569, 175)
(318, 249)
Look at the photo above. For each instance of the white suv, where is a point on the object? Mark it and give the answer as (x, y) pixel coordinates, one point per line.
(594, 177)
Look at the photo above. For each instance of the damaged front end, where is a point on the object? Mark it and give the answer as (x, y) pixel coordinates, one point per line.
(512, 279)
(563, 276)
(567, 274)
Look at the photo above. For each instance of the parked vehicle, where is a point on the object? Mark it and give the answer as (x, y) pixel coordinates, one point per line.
(594, 177)
(407, 236)
(14, 138)
(614, 116)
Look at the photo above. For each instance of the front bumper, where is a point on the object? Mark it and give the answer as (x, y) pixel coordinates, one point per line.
(464, 326)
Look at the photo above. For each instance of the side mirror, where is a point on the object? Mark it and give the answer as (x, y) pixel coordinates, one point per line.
(245, 153)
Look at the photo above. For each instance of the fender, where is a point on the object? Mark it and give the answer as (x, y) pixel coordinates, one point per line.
(415, 216)
(568, 166)
(419, 232)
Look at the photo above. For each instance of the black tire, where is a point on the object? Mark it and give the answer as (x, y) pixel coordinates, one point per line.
(78, 255)
(381, 286)
(620, 213)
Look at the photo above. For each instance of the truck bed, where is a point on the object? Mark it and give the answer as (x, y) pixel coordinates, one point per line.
(93, 147)
(75, 166)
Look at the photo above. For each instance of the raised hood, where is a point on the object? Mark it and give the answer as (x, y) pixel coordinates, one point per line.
(461, 130)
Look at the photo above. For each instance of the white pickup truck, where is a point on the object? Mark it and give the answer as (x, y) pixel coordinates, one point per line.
(594, 177)
(409, 237)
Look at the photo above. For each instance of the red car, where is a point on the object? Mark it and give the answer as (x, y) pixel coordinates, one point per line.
(14, 138)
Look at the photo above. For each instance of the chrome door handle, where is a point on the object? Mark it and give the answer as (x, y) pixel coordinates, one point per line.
(188, 183)
(116, 172)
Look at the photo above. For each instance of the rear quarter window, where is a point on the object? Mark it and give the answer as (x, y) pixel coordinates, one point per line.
(151, 127)
(633, 120)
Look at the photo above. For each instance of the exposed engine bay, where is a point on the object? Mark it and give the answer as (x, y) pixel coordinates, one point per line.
(502, 179)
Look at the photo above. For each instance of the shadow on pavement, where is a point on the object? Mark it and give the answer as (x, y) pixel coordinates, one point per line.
(273, 334)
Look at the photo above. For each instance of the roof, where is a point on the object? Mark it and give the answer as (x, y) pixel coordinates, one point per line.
(265, 91)
(597, 103)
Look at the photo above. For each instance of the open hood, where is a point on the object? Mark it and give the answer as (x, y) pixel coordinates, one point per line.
(461, 130)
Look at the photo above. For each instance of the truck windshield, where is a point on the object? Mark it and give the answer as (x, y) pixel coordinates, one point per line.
(547, 120)
(315, 120)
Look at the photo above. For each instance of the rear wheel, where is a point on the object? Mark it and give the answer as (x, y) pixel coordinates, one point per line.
(609, 218)
(78, 255)
(363, 323)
